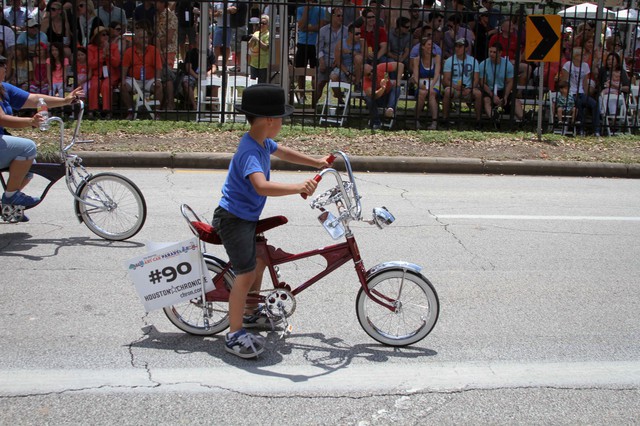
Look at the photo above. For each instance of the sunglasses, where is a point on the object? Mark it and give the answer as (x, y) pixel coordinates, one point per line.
(82, 5)
(358, 33)
(118, 28)
(371, 17)
(55, 9)
(104, 34)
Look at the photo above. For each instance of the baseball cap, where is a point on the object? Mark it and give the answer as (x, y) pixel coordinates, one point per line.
(483, 11)
(33, 22)
(462, 42)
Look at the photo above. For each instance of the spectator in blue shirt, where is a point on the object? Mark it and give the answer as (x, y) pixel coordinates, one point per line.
(16, 15)
(496, 81)
(33, 36)
(310, 18)
(461, 79)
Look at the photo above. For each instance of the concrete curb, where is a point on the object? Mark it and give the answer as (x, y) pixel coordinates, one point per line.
(376, 164)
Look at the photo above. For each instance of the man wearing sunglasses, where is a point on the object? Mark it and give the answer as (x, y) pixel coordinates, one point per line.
(328, 37)
(109, 13)
(400, 41)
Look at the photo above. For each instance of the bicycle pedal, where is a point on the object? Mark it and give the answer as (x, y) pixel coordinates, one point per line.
(12, 214)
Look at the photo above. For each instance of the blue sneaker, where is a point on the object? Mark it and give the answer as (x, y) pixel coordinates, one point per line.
(259, 319)
(243, 344)
(20, 199)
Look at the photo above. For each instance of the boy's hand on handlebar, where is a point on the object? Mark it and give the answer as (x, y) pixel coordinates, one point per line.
(308, 187)
(326, 161)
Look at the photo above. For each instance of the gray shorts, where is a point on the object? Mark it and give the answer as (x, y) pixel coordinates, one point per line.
(239, 239)
(15, 148)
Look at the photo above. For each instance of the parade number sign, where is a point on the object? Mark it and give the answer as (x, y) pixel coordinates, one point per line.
(542, 43)
(170, 275)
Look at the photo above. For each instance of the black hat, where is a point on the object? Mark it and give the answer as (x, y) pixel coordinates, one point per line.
(3, 60)
(264, 100)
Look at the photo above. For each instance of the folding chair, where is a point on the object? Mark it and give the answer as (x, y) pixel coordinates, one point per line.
(617, 118)
(335, 109)
(142, 100)
(209, 103)
(632, 106)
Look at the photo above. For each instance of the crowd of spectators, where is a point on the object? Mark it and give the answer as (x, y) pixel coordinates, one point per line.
(464, 56)
(452, 57)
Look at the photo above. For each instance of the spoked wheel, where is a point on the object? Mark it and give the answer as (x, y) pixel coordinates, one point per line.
(190, 317)
(116, 209)
(417, 308)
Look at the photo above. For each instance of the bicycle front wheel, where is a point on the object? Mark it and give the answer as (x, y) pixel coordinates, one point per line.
(417, 308)
(116, 209)
(190, 316)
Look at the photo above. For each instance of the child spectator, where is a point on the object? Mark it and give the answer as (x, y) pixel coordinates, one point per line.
(57, 65)
(39, 78)
(244, 195)
(21, 68)
(82, 69)
(565, 103)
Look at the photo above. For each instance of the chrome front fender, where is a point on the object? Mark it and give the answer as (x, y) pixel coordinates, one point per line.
(395, 264)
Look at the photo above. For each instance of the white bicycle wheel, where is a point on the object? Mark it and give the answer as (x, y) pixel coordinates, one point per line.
(417, 308)
(116, 210)
(190, 316)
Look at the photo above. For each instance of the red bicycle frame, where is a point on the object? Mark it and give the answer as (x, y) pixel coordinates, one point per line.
(336, 255)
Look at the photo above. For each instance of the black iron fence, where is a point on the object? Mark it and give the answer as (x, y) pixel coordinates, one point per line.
(455, 65)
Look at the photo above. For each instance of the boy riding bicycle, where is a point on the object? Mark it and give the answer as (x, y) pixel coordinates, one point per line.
(244, 195)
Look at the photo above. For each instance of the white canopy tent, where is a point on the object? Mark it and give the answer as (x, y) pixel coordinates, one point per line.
(587, 11)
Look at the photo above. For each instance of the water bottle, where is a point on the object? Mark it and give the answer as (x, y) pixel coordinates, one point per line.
(142, 74)
(43, 109)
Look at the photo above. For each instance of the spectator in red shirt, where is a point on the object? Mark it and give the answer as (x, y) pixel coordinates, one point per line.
(372, 32)
(508, 38)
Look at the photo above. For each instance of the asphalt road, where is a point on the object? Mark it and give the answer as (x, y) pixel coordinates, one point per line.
(537, 279)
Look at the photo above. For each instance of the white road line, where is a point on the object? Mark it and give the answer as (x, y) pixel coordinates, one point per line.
(350, 379)
(532, 217)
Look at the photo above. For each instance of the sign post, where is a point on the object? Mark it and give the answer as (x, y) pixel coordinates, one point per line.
(542, 44)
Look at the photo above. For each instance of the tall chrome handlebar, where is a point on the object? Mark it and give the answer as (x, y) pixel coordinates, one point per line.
(352, 201)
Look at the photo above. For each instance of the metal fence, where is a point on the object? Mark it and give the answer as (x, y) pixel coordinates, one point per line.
(208, 52)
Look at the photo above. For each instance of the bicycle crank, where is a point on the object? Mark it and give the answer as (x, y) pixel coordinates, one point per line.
(280, 303)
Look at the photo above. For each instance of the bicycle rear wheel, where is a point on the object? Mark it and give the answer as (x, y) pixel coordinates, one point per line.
(116, 210)
(417, 308)
(189, 316)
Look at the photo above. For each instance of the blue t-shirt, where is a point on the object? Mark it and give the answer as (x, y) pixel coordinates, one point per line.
(316, 14)
(461, 69)
(239, 197)
(14, 100)
(496, 74)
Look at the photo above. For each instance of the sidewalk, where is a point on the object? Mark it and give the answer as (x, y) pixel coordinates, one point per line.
(376, 164)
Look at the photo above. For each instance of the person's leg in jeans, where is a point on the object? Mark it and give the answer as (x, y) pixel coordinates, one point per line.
(584, 101)
(579, 105)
